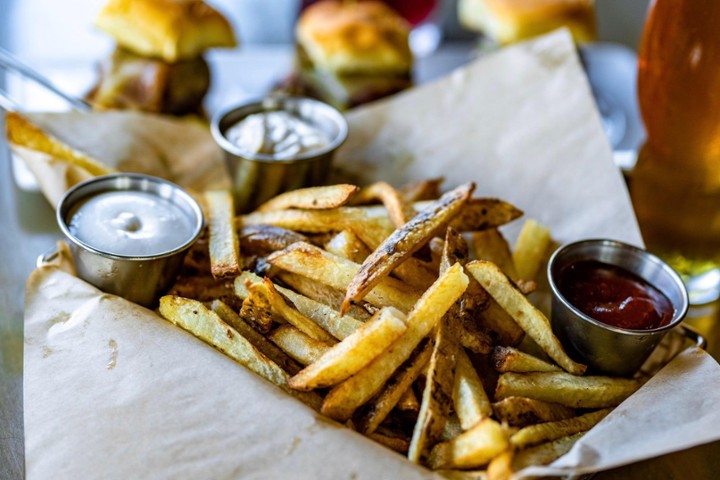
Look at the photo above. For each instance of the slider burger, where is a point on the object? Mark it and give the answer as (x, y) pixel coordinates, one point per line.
(508, 21)
(350, 53)
(158, 63)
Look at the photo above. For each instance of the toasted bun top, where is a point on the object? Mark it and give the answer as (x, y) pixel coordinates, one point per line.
(171, 30)
(512, 20)
(355, 37)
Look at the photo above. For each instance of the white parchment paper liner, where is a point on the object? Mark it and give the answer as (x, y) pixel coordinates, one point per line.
(113, 391)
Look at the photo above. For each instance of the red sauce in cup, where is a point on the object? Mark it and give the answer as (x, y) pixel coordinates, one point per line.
(614, 296)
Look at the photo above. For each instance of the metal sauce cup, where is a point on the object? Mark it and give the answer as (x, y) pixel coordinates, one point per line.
(604, 348)
(140, 279)
(259, 177)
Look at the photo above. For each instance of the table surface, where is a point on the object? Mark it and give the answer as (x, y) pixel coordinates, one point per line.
(28, 228)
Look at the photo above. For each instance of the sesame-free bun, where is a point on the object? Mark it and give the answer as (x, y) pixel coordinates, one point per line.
(170, 30)
(355, 37)
(508, 21)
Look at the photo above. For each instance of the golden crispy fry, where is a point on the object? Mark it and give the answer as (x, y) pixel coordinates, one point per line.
(223, 243)
(530, 319)
(464, 322)
(477, 214)
(502, 326)
(531, 249)
(409, 402)
(490, 245)
(194, 317)
(483, 213)
(522, 411)
(337, 272)
(471, 449)
(289, 313)
(299, 346)
(265, 239)
(416, 273)
(398, 444)
(311, 198)
(324, 294)
(372, 231)
(451, 429)
(545, 432)
(22, 132)
(256, 309)
(258, 340)
(566, 389)
(500, 467)
(346, 397)
(375, 411)
(347, 245)
(545, 453)
(469, 397)
(437, 394)
(421, 190)
(405, 241)
(353, 353)
(508, 359)
(399, 210)
(329, 319)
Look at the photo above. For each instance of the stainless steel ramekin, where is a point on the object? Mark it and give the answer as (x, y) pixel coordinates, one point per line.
(140, 279)
(604, 348)
(259, 177)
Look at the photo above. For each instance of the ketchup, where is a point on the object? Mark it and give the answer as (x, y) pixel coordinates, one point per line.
(614, 296)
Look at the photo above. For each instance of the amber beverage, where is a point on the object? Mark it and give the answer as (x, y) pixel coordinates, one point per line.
(676, 184)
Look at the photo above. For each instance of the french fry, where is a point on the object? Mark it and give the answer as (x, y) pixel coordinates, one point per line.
(490, 245)
(204, 288)
(329, 319)
(522, 411)
(337, 272)
(409, 402)
(256, 309)
(451, 429)
(404, 241)
(372, 231)
(567, 389)
(375, 411)
(477, 214)
(311, 198)
(223, 240)
(416, 273)
(398, 444)
(289, 313)
(530, 319)
(469, 397)
(530, 249)
(473, 448)
(399, 210)
(347, 245)
(194, 317)
(258, 340)
(545, 453)
(437, 398)
(546, 432)
(508, 359)
(353, 353)
(324, 294)
(345, 398)
(501, 324)
(300, 347)
(421, 190)
(265, 239)
(20, 131)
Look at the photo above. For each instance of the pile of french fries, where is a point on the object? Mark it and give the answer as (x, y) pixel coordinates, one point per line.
(363, 303)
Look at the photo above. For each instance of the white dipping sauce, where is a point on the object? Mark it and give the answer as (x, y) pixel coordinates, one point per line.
(279, 134)
(130, 223)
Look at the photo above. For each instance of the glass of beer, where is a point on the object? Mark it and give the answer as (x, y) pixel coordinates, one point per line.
(675, 186)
